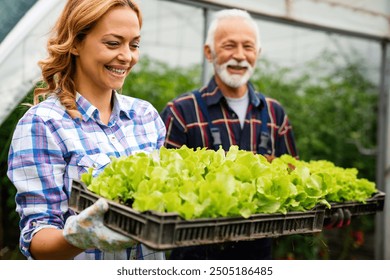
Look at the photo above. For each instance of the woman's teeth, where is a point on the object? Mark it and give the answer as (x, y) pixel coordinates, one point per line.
(115, 70)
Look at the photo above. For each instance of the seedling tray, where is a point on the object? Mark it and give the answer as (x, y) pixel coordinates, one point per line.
(162, 231)
(369, 207)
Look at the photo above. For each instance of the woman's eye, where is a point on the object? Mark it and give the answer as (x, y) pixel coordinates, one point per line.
(134, 45)
(112, 43)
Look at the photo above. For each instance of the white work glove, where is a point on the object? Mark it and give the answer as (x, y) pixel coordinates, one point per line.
(87, 230)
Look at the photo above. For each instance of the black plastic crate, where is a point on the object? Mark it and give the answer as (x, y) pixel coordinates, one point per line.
(162, 231)
(369, 207)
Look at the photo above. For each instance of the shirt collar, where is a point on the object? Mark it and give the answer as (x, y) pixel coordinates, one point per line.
(215, 95)
(120, 106)
(88, 111)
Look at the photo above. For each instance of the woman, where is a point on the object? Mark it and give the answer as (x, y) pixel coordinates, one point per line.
(82, 123)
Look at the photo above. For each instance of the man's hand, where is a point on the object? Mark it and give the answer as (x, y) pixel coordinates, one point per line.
(87, 230)
(270, 158)
(341, 218)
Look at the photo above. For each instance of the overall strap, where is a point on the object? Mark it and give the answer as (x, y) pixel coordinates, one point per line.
(265, 135)
(214, 131)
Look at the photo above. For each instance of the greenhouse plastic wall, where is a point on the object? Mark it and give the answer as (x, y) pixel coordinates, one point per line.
(20, 52)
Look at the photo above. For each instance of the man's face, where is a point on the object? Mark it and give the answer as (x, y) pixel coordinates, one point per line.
(235, 52)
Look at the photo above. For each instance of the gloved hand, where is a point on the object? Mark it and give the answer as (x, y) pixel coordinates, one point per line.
(87, 230)
(341, 218)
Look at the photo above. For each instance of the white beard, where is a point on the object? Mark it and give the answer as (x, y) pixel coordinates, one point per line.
(233, 80)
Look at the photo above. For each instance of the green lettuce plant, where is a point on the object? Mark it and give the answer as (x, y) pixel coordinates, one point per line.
(204, 183)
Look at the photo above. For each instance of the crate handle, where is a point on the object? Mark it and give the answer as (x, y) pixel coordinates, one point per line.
(82, 184)
(378, 193)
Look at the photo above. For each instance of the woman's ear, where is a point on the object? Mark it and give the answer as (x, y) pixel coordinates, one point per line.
(74, 51)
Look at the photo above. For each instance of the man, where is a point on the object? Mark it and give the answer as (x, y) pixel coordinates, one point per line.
(228, 112)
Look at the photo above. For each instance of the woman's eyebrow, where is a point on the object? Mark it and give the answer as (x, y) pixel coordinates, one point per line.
(121, 37)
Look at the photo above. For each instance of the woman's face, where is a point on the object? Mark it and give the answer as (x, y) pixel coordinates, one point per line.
(108, 52)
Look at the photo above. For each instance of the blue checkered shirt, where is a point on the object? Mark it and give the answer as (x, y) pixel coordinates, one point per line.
(49, 149)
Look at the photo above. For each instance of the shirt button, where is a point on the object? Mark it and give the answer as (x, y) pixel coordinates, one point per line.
(94, 165)
(113, 138)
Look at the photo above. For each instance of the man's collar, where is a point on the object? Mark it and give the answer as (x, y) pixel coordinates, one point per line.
(215, 95)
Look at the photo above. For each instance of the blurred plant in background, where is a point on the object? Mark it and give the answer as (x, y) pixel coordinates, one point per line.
(159, 83)
(331, 105)
(333, 110)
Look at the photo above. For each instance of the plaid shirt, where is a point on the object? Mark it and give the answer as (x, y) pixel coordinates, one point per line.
(49, 149)
(186, 125)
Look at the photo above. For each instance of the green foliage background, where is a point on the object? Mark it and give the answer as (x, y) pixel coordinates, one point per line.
(331, 105)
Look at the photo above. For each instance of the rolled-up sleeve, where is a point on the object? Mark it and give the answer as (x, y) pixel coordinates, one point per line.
(36, 167)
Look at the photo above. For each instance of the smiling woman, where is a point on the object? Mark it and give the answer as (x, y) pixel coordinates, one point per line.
(82, 124)
(105, 57)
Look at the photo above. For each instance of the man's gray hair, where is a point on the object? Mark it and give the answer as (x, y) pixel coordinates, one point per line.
(230, 13)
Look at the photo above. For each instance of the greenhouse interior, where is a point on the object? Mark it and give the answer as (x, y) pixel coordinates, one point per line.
(327, 61)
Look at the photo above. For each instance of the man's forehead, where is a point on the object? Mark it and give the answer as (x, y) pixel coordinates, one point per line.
(233, 27)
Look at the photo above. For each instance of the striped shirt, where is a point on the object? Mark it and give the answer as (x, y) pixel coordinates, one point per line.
(49, 149)
(186, 125)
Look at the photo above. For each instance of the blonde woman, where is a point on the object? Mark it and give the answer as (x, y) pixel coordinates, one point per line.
(79, 121)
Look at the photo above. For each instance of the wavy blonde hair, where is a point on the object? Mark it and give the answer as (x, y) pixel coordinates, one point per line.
(75, 22)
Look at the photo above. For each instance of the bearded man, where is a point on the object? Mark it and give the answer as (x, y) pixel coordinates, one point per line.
(229, 111)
